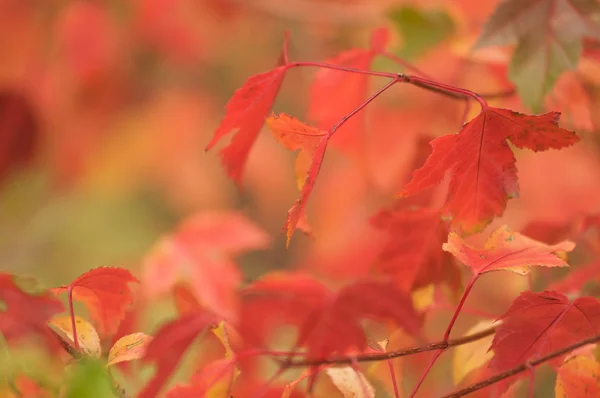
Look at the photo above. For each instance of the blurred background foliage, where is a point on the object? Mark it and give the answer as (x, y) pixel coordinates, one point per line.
(106, 107)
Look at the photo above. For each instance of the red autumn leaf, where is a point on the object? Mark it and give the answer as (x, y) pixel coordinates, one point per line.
(334, 93)
(23, 313)
(417, 258)
(483, 175)
(536, 324)
(328, 322)
(169, 344)
(105, 293)
(575, 280)
(200, 252)
(509, 251)
(312, 143)
(246, 112)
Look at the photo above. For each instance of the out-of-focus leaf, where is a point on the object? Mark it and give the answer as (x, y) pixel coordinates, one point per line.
(421, 29)
(351, 383)
(578, 377)
(89, 379)
(468, 357)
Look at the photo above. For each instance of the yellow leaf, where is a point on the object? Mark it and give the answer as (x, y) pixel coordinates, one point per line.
(351, 383)
(88, 339)
(578, 377)
(128, 348)
(468, 357)
(423, 297)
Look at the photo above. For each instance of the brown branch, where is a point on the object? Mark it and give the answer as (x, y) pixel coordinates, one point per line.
(440, 345)
(521, 368)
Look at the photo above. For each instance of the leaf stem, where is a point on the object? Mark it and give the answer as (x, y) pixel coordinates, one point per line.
(461, 303)
(521, 368)
(376, 94)
(72, 312)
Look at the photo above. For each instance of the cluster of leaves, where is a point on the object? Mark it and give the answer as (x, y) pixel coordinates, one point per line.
(339, 333)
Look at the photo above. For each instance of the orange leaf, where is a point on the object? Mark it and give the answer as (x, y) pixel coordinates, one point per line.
(168, 346)
(105, 293)
(246, 111)
(536, 324)
(312, 142)
(213, 380)
(509, 251)
(128, 348)
(483, 175)
(22, 313)
(87, 337)
(578, 377)
(199, 252)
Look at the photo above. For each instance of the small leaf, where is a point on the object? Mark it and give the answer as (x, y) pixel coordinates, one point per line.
(129, 348)
(87, 337)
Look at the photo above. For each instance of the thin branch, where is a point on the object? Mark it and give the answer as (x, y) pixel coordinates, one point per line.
(395, 354)
(521, 368)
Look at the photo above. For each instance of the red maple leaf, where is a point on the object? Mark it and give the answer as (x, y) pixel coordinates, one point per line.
(23, 313)
(169, 344)
(483, 175)
(328, 322)
(416, 259)
(105, 293)
(334, 93)
(507, 250)
(312, 143)
(246, 112)
(200, 252)
(536, 324)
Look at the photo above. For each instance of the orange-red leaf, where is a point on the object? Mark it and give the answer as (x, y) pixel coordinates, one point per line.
(536, 324)
(213, 380)
(327, 322)
(481, 165)
(334, 93)
(246, 111)
(509, 251)
(105, 293)
(200, 253)
(168, 346)
(312, 142)
(413, 254)
(22, 313)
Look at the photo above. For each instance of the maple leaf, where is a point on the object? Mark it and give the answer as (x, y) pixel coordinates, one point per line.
(312, 143)
(416, 259)
(549, 35)
(509, 251)
(169, 344)
(536, 324)
(213, 380)
(22, 313)
(200, 250)
(105, 293)
(578, 378)
(327, 322)
(483, 175)
(349, 89)
(246, 112)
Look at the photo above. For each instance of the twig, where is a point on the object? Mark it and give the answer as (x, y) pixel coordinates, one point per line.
(521, 368)
(395, 354)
